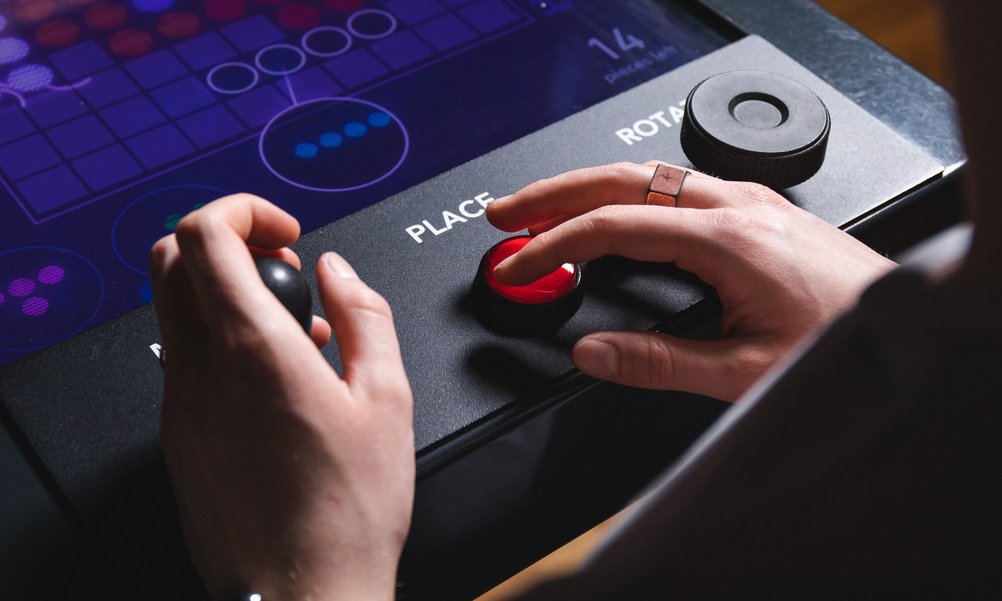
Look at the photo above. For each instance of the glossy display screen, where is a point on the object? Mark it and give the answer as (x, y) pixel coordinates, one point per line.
(118, 118)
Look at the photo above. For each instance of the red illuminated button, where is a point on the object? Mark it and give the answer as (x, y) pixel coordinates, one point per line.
(547, 289)
(540, 307)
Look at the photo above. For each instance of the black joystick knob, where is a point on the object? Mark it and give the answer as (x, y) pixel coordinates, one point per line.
(755, 126)
(536, 308)
(289, 286)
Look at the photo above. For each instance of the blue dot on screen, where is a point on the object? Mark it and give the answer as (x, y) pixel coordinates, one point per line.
(330, 140)
(152, 6)
(306, 150)
(3, 22)
(355, 130)
(12, 50)
(29, 78)
(379, 119)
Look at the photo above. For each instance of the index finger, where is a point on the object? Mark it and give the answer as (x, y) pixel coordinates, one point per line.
(683, 236)
(214, 244)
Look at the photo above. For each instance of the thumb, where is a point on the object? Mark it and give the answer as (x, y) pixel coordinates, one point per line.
(722, 369)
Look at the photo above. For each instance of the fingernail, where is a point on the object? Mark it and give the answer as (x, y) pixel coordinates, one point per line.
(597, 358)
(339, 266)
(500, 200)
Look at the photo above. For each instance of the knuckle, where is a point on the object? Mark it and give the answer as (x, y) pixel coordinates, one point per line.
(188, 226)
(601, 225)
(734, 222)
(540, 187)
(649, 364)
(159, 247)
(367, 301)
(544, 241)
(159, 260)
(160, 251)
(658, 364)
(746, 226)
(553, 244)
(758, 193)
(244, 198)
(742, 372)
(748, 363)
(196, 226)
(608, 216)
(615, 172)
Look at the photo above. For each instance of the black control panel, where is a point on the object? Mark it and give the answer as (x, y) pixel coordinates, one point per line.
(512, 444)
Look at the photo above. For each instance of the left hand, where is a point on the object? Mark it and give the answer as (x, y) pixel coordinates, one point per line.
(291, 480)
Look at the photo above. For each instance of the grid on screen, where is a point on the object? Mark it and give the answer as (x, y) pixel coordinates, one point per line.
(96, 99)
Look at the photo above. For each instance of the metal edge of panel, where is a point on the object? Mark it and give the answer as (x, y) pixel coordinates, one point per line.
(910, 103)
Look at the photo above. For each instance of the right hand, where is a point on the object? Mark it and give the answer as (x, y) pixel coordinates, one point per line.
(779, 271)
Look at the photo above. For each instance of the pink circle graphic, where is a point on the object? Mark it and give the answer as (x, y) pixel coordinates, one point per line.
(35, 306)
(21, 287)
(51, 275)
(60, 293)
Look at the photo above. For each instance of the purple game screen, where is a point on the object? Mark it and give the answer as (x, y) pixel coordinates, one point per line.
(118, 118)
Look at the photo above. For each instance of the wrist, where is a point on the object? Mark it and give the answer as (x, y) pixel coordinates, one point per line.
(375, 581)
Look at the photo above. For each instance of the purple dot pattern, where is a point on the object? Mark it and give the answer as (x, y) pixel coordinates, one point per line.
(21, 287)
(61, 293)
(51, 275)
(2, 298)
(35, 306)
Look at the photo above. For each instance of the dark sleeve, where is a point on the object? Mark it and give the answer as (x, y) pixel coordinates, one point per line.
(868, 467)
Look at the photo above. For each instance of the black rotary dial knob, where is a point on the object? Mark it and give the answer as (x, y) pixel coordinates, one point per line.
(755, 126)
